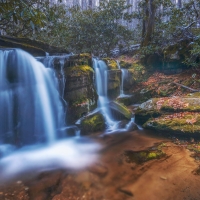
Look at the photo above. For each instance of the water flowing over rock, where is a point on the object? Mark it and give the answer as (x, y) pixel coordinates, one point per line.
(30, 108)
(74, 75)
(102, 85)
(108, 109)
(32, 117)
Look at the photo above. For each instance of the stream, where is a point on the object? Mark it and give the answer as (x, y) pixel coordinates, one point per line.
(38, 161)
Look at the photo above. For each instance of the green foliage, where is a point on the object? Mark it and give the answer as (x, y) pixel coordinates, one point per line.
(98, 30)
(172, 24)
(20, 18)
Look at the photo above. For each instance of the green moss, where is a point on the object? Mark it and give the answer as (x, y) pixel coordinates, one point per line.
(194, 95)
(111, 63)
(188, 123)
(85, 55)
(121, 109)
(79, 70)
(92, 124)
(140, 157)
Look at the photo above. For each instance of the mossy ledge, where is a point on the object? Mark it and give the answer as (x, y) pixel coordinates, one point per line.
(187, 123)
(92, 124)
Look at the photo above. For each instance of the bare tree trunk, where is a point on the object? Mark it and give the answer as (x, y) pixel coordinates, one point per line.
(148, 22)
(84, 4)
(90, 4)
(179, 3)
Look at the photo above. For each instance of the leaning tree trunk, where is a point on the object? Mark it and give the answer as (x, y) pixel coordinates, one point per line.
(148, 22)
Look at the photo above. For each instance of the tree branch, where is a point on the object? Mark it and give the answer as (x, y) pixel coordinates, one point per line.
(194, 90)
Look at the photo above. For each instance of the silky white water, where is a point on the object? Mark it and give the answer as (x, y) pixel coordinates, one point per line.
(101, 85)
(124, 76)
(32, 114)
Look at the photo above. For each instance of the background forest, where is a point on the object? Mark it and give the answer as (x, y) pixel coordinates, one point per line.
(103, 27)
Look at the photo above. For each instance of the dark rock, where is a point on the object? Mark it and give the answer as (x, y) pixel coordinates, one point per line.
(36, 48)
(92, 123)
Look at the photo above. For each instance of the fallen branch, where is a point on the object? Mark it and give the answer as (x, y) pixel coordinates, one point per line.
(194, 90)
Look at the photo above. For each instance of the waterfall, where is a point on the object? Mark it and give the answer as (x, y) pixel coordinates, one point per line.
(31, 117)
(101, 85)
(123, 78)
(29, 101)
(49, 62)
(104, 105)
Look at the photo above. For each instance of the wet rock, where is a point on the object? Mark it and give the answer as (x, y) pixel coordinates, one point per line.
(126, 100)
(92, 123)
(98, 170)
(44, 185)
(127, 192)
(158, 107)
(79, 91)
(142, 156)
(120, 108)
(185, 123)
(131, 126)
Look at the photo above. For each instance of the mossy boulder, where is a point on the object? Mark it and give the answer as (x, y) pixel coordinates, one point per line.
(114, 82)
(79, 70)
(72, 61)
(187, 123)
(79, 92)
(120, 109)
(175, 114)
(140, 157)
(92, 123)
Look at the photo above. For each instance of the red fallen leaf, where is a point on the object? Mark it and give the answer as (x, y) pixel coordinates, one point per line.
(191, 121)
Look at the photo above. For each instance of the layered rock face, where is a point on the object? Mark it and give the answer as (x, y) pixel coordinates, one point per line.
(36, 48)
(179, 115)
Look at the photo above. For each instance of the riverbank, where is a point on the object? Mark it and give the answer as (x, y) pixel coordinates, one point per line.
(115, 176)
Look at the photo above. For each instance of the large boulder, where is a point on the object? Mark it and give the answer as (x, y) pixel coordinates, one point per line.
(79, 91)
(175, 114)
(92, 123)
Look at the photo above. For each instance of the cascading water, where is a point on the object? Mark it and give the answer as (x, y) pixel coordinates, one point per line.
(101, 85)
(103, 101)
(49, 61)
(29, 101)
(123, 78)
(32, 116)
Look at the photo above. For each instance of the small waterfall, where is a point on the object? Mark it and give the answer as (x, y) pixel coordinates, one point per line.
(101, 84)
(123, 78)
(29, 102)
(59, 61)
(104, 105)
